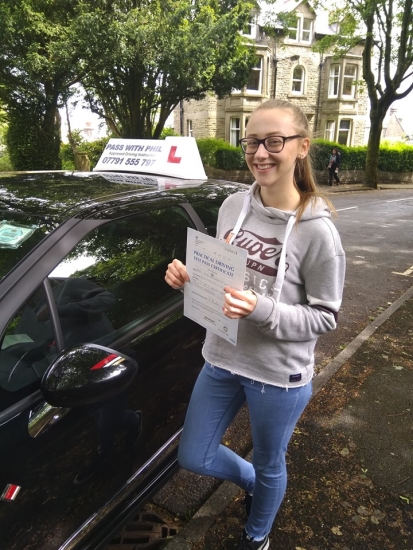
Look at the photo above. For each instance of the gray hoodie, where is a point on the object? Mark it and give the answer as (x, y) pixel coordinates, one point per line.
(276, 341)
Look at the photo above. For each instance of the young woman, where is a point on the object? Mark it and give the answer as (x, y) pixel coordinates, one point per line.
(292, 295)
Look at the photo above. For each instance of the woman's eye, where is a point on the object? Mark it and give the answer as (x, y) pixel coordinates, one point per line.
(274, 142)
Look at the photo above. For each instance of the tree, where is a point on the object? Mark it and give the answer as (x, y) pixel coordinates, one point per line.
(38, 64)
(158, 53)
(387, 59)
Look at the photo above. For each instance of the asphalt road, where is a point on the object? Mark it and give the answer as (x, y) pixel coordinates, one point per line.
(376, 229)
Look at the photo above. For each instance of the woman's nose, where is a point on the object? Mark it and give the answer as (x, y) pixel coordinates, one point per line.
(261, 151)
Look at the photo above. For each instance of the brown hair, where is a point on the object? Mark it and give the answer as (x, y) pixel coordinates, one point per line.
(304, 180)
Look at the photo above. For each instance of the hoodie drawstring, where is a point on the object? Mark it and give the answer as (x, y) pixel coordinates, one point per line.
(279, 281)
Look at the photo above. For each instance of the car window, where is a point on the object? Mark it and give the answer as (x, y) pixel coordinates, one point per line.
(27, 348)
(208, 212)
(108, 285)
(114, 279)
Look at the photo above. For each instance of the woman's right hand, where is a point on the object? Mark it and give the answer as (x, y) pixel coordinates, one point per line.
(176, 275)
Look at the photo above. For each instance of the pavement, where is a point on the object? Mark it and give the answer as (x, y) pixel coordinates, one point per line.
(350, 460)
(348, 187)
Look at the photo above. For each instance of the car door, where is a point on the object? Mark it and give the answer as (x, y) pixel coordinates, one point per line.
(109, 290)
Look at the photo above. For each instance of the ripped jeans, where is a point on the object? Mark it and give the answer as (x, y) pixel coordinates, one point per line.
(274, 411)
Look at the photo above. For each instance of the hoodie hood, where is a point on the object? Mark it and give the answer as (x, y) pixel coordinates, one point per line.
(316, 208)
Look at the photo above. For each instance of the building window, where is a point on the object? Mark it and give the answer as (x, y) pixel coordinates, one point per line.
(297, 86)
(189, 131)
(344, 132)
(255, 80)
(293, 31)
(349, 78)
(302, 31)
(306, 30)
(334, 81)
(235, 129)
(329, 131)
(251, 27)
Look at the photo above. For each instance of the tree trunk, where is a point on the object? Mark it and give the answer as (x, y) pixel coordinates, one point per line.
(72, 142)
(373, 147)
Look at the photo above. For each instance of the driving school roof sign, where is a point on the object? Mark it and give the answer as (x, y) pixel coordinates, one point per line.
(174, 156)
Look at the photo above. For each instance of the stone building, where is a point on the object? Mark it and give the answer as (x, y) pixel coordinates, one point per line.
(288, 68)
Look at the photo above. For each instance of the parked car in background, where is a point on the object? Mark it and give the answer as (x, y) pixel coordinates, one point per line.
(97, 361)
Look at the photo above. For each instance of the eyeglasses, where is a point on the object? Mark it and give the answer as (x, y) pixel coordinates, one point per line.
(273, 144)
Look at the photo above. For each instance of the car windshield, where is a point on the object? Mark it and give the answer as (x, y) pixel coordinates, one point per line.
(19, 234)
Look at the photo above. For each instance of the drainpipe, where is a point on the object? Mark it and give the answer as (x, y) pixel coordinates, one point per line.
(320, 69)
(275, 65)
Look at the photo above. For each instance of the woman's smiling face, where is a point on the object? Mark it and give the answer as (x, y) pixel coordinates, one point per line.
(275, 169)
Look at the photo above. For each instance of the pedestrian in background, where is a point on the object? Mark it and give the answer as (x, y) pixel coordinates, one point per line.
(333, 166)
(292, 294)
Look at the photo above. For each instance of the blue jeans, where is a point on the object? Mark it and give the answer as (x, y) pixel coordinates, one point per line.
(217, 397)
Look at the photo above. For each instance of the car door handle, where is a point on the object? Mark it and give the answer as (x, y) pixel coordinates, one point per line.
(43, 417)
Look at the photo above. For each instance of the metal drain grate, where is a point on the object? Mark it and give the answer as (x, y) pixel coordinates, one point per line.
(147, 531)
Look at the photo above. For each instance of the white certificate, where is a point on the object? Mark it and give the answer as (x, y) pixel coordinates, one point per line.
(211, 265)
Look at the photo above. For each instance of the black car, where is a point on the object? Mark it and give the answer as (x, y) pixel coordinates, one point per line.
(97, 361)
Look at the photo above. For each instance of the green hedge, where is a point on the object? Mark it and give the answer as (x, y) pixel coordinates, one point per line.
(231, 158)
(207, 149)
(397, 157)
(218, 153)
(352, 158)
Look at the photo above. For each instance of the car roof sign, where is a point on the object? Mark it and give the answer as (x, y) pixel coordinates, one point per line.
(12, 234)
(175, 156)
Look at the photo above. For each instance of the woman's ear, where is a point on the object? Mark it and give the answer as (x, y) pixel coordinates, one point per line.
(304, 147)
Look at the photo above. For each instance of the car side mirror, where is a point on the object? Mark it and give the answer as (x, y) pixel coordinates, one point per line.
(87, 374)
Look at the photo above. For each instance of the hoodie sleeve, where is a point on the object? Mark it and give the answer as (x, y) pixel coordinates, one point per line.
(302, 322)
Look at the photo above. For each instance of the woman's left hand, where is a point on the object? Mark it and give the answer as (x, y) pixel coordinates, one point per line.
(238, 303)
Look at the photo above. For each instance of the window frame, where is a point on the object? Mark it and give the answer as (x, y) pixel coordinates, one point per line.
(346, 131)
(352, 78)
(309, 31)
(299, 30)
(234, 131)
(251, 26)
(257, 68)
(329, 132)
(302, 80)
(334, 80)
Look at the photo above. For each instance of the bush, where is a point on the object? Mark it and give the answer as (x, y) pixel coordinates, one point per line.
(66, 154)
(352, 158)
(93, 150)
(5, 164)
(166, 132)
(30, 147)
(393, 157)
(218, 153)
(397, 157)
(207, 149)
(230, 158)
